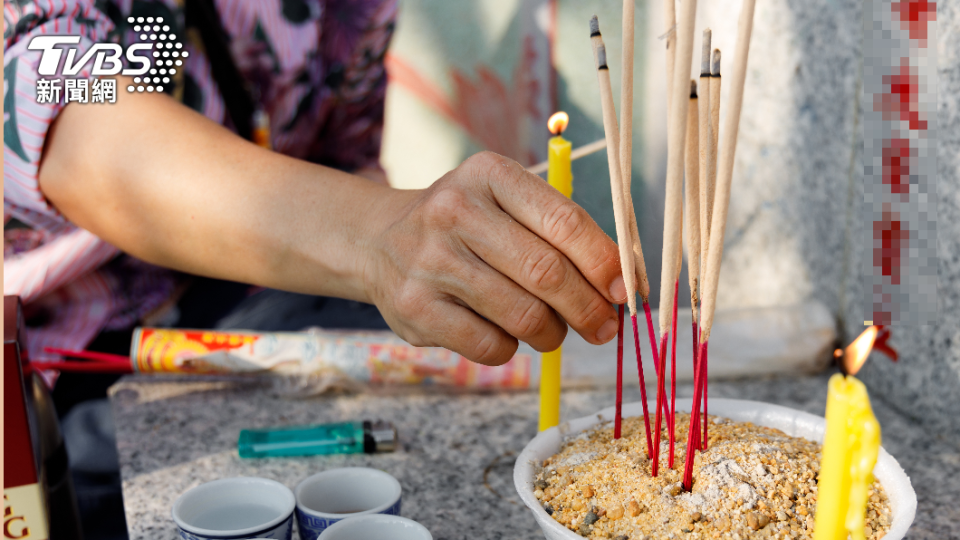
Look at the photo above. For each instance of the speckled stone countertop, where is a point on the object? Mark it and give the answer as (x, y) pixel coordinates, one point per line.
(457, 451)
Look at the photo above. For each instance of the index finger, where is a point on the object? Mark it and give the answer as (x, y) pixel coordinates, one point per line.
(559, 221)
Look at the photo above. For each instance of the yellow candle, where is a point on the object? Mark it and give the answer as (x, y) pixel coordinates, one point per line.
(560, 176)
(850, 449)
(559, 173)
(550, 388)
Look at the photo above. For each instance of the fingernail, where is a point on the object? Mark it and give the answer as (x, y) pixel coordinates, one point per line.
(607, 331)
(618, 290)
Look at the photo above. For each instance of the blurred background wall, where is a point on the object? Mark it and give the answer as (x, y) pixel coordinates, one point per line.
(475, 75)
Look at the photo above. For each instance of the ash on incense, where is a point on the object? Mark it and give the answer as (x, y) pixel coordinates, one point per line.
(751, 482)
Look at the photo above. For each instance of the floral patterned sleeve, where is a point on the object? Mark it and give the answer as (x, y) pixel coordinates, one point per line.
(354, 43)
(317, 67)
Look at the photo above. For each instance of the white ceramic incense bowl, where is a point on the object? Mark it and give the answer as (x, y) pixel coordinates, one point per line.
(903, 500)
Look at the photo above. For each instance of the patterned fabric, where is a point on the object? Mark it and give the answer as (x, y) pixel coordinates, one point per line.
(315, 65)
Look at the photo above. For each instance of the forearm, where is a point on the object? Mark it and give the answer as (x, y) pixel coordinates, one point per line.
(487, 255)
(170, 187)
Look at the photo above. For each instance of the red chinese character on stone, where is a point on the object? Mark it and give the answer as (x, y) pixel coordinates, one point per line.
(891, 240)
(914, 16)
(896, 165)
(900, 103)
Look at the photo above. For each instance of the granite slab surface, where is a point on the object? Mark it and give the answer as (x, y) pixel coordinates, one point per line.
(457, 451)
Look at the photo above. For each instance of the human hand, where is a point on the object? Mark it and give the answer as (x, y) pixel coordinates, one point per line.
(487, 255)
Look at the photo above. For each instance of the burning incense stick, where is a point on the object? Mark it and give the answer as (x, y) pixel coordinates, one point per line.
(707, 166)
(731, 125)
(691, 213)
(715, 81)
(708, 152)
(613, 162)
(626, 163)
(707, 157)
(576, 154)
(670, 42)
(676, 135)
(616, 182)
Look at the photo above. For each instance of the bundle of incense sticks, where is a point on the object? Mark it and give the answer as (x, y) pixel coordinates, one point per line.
(679, 56)
(710, 275)
(691, 214)
(626, 165)
(693, 144)
(708, 109)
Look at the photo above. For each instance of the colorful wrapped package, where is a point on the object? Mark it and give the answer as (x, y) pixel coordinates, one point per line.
(378, 358)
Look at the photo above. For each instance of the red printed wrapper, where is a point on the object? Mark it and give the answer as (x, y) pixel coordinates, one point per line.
(379, 358)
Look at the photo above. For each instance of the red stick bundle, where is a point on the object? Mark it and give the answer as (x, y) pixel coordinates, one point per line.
(673, 376)
(696, 357)
(617, 420)
(83, 367)
(653, 347)
(694, 420)
(661, 404)
(695, 327)
(643, 385)
(706, 384)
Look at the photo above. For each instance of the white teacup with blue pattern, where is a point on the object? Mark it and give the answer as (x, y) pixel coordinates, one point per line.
(330, 496)
(236, 508)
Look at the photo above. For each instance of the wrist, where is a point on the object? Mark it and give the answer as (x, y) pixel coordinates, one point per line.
(329, 239)
(371, 250)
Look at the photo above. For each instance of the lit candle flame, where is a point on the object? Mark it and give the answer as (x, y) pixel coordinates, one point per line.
(857, 352)
(558, 122)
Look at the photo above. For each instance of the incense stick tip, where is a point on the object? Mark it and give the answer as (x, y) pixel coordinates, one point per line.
(601, 57)
(693, 89)
(594, 26)
(705, 53)
(716, 63)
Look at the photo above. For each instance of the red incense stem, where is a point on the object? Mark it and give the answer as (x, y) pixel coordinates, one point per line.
(83, 367)
(653, 338)
(694, 419)
(695, 327)
(661, 399)
(673, 374)
(653, 345)
(617, 420)
(706, 384)
(643, 385)
(673, 356)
